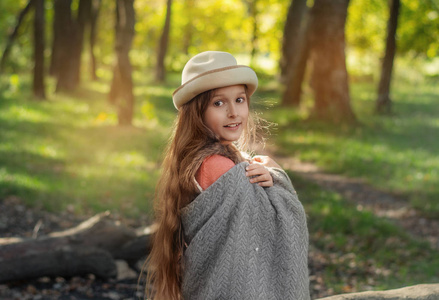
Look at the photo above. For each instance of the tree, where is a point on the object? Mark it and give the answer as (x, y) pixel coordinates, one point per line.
(295, 48)
(93, 25)
(252, 6)
(82, 22)
(121, 92)
(383, 102)
(163, 45)
(329, 78)
(291, 39)
(63, 47)
(14, 33)
(68, 40)
(39, 45)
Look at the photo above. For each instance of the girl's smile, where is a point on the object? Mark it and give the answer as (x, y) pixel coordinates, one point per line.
(227, 113)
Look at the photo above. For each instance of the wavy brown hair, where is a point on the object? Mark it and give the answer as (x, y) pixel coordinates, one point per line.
(190, 143)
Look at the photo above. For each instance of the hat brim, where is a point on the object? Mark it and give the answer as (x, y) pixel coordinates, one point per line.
(217, 78)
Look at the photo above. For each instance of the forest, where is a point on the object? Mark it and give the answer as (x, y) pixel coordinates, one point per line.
(349, 89)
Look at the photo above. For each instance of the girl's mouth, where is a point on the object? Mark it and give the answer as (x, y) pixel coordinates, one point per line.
(232, 126)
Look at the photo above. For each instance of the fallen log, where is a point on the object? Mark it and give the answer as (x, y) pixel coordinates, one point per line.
(90, 247)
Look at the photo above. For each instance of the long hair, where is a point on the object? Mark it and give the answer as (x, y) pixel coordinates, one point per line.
(191, 142)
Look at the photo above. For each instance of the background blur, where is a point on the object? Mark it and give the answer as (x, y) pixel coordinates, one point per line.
(352, 86)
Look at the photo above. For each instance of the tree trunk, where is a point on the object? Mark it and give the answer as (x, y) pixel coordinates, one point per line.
(329, 75)
(90, 247)
(384, 103)
(94, 18)
(292, 41)
(82, 22)
(14, 34)
(189, 27)
(65, 37)
(121, 92)
(253, 9)
(296, 71)
(39, 45)
(163, 45)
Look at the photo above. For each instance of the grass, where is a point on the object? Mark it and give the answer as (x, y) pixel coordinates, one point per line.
(396, 153)
(69, 152)
(355, 251)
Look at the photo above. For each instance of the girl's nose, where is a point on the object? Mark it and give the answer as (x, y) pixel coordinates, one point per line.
(232, 112)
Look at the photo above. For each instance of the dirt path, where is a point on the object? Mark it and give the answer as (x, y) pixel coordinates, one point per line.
(392, 207)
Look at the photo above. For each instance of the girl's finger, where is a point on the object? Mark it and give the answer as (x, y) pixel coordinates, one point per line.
(266, 183)
(256, 172)
(260, 178)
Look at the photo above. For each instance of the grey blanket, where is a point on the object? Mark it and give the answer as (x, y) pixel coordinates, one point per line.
(245, 241)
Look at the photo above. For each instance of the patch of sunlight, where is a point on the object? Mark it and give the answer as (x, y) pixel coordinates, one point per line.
(99, 86)
(154, 91)
(50, 151)
(22, 180)
(23, 113)
(124, 159)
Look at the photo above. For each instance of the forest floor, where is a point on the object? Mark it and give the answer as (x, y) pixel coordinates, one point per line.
(16, 219)
(393, 207)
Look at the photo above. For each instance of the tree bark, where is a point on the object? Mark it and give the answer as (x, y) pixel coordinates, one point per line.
(384, 103)
(96, 5)
(296, 71)
(292, 40)
(121, 92)
(63, 51)
(189, 27)
(163, 45)
(90, 247)
(253, 9)
(83, 21)
(39, 45)
(329, 75)
(14, 34)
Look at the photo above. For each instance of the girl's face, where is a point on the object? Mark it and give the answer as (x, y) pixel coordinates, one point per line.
(227, 113)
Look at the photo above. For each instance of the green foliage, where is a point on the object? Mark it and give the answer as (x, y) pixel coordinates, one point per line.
(366, 32)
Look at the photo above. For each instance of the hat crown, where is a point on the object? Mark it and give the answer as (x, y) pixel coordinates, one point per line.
(205, 62)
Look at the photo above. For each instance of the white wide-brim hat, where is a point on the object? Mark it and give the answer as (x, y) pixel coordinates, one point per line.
(210, 70)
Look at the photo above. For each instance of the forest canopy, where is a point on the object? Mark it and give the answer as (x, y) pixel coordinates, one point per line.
(230, 22)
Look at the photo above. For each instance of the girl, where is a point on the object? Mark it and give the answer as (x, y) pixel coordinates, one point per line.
(229, 226)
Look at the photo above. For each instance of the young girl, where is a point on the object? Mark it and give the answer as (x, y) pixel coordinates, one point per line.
(229, 226)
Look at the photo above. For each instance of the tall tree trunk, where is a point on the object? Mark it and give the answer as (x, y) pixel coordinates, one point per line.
(329, 76)
(93, 24)
(65, 37)
(83, 22)
(163, 45)
(298, 62)
(291, 40)
(14, 33)
(121, 93)
(39, 23)
(189, 27)
(253, 9)
(384, 103)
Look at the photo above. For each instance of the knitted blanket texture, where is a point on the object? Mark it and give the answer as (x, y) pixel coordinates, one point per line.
(246, 241)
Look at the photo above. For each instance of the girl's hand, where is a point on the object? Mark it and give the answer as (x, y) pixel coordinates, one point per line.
(259, 173)
(266, 161)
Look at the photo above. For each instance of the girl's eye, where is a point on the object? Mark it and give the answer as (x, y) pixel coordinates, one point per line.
(218, 103)
(240, 100)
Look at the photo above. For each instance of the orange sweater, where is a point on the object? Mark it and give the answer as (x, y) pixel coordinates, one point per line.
(212, 168)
